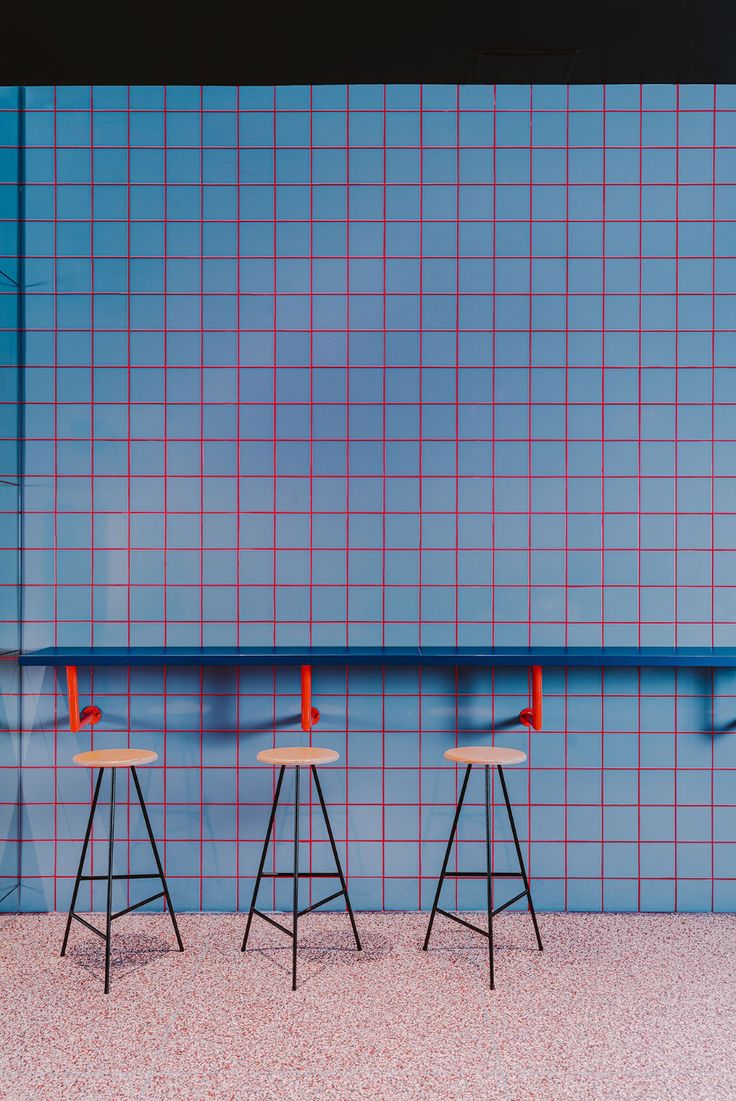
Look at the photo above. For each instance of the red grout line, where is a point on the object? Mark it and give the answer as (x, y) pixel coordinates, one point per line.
(457, 366)
(128, 456)
(566, 563)
(603, 512)
(201, 494)
(420, 445)
(676, 468)
(238, 508)
(56, 510)
(383, 494)
(638, 486)
(311, 370)
(493, 484)
(274, 456)
(164, 563)
(493, 393)
(529, 472)
(348, 368)
(394, 110)
(713, 493)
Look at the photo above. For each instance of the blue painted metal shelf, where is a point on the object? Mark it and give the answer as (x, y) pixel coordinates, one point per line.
(715, 657)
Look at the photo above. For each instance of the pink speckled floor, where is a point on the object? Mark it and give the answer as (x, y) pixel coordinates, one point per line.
(622, 1007)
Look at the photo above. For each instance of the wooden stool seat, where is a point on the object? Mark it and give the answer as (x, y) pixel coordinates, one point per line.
(115, 758)
(298, 756)
(485, 755)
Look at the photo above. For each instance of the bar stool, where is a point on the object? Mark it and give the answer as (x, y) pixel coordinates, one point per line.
(298, 758)
(489, 757)
(115, 759)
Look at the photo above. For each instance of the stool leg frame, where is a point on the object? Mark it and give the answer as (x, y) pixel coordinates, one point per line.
(111, 846)
(264, 854)
(85, 846)
(446, 861)
(296, 875)
(157, 858)
(488, 874)
(520, 858)
(296, 881)
(336, 858)
(109, 877)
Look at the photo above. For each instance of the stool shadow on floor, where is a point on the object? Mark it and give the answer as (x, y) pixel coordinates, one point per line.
(130, 952)
(475, 953)
(321, 959)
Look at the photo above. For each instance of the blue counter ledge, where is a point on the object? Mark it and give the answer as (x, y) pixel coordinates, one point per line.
(499, 656)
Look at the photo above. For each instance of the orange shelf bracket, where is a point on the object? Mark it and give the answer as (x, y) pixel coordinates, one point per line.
(310, 715)
(90, 715)
(532, 716)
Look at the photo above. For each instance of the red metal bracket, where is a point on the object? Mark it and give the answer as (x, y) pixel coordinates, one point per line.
(532, 716)
(90, 715)
(310, 715)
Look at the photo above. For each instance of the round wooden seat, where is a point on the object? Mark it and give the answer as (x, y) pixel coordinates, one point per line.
(485, 755)
(299, 756)
(115, 758)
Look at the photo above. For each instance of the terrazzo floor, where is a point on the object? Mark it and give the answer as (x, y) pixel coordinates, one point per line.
(622, 1007)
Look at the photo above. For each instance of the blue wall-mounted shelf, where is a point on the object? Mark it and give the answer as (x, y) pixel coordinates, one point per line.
(715, 657)
(534, 657)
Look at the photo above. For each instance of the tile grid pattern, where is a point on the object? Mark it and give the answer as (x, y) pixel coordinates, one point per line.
(387, 365)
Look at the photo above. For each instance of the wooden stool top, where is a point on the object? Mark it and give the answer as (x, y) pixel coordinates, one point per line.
(485, 755)
(299, 756)
(115, 758)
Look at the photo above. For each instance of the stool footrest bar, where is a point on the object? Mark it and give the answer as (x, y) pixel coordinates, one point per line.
(302, 875)
(461, 921)
(510, 902)
(137, 905)
(275, 924)
(143, 875)
(322, 901)
(92, 928)
(483, 875)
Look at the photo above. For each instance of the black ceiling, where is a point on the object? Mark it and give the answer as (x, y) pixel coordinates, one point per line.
(281, 43)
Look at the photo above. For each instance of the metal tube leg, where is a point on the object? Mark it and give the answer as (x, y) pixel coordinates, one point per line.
(80, 869)
(263, 858)
(296, 879)
(520, 858)
(446, 861)
(108, 921)
(336, 857)
(489, 879)
(156, 857)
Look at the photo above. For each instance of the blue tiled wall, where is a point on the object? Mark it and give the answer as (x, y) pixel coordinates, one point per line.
(387, 365)
(11, 347)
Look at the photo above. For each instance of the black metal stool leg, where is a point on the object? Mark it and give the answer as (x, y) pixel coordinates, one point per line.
(520, 858)
(336, 857)
(264, 853)
(446, 861)
(108, 921)
(296, 879)
(489, 876)
(156, 857)
(80, 869)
